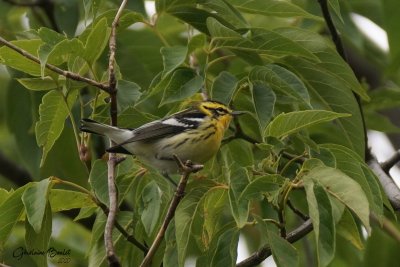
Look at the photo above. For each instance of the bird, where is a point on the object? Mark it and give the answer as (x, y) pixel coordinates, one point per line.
(193, 134)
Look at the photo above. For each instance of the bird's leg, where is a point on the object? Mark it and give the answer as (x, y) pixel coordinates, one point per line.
(166, 175)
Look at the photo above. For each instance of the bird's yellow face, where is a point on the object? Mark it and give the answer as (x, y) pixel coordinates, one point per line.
(217, 111)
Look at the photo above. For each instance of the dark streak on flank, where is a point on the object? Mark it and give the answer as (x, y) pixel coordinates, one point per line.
(208, 135)
(181, 143)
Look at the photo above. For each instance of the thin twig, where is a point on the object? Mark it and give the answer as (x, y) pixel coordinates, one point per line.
(67, 74)
(112, 160)
(186, 170)
(394, 159)
(297, 211)
(263, 253)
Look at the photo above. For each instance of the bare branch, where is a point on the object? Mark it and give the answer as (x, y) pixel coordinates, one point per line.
(263, 253)
(14, 173)
(112, 161)
(67, 74)
(186, 170)
(339, 48)
(387, 165)
(389, 186)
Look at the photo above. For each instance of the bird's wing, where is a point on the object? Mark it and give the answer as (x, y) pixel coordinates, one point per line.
(161, 128)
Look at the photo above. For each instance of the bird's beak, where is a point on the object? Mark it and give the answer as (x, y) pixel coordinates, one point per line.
(238, 112)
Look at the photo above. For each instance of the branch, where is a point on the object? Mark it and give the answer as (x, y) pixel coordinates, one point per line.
(263, 253)
(387, 165)
(67, 74)
(14, 173)
(112, 161)
(339, 48)
(389, 186)
(186, 170)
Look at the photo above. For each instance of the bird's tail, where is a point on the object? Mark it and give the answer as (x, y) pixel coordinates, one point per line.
(91, 126)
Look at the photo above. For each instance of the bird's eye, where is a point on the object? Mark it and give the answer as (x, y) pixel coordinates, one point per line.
(221, 110)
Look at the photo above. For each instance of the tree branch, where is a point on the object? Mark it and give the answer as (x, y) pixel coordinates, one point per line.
(112, 161)
(14, 173)
(389, 186)
(339, 48)
(186, 170)
(263, 253)
(387, 165)
(67, 74)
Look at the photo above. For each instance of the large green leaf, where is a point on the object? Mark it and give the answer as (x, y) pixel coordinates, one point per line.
(238, 178)
(151, 206)
(351, 164)
(260, 186)
(264, 42)
(225, 251)
(10, 211)
(284, 253)
(341, 187)
(264, 102)
(189, 215)
(182, 84)
(17, 61)
(128, 94)
(61, 199)
(320, 211)
(281, 80)
(272, 8)
(98, 180)
(53, 111)
(39, 241)
(173, 57)
(223, 87)
(96, 41)
(41, 84)
(287, 123)
(35, 200)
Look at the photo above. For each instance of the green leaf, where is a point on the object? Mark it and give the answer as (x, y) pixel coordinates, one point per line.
(348, 229)
(187, 217)
(61, 199)
(151, 207)
(39, 241)
(50, 36)
(288, 123)
(225, 251)
(354, 166)
(10, 211)
(225, 11)
(262, 185)
(173, 57)
(264, 102)
(284, 253)
(281, 80)
(391, 10)
(334, 4)
(272, 8)
(96, 41)
(3, 195)
(17, 61)
(344, 189)
(238, 180)
(43, 53)
(98, 180)
(171, 252)
(223, 87)
(128, 94)
(182, 85)
(261, 41)
(320, 211)
(53, 111)
(41, 84)
(35, 199)
(378, 122)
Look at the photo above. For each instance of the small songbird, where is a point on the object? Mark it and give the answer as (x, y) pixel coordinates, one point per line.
(192, 134)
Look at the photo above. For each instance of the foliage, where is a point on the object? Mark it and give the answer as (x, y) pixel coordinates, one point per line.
(301, 142)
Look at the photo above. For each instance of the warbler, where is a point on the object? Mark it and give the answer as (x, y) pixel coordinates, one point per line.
(192, 134)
